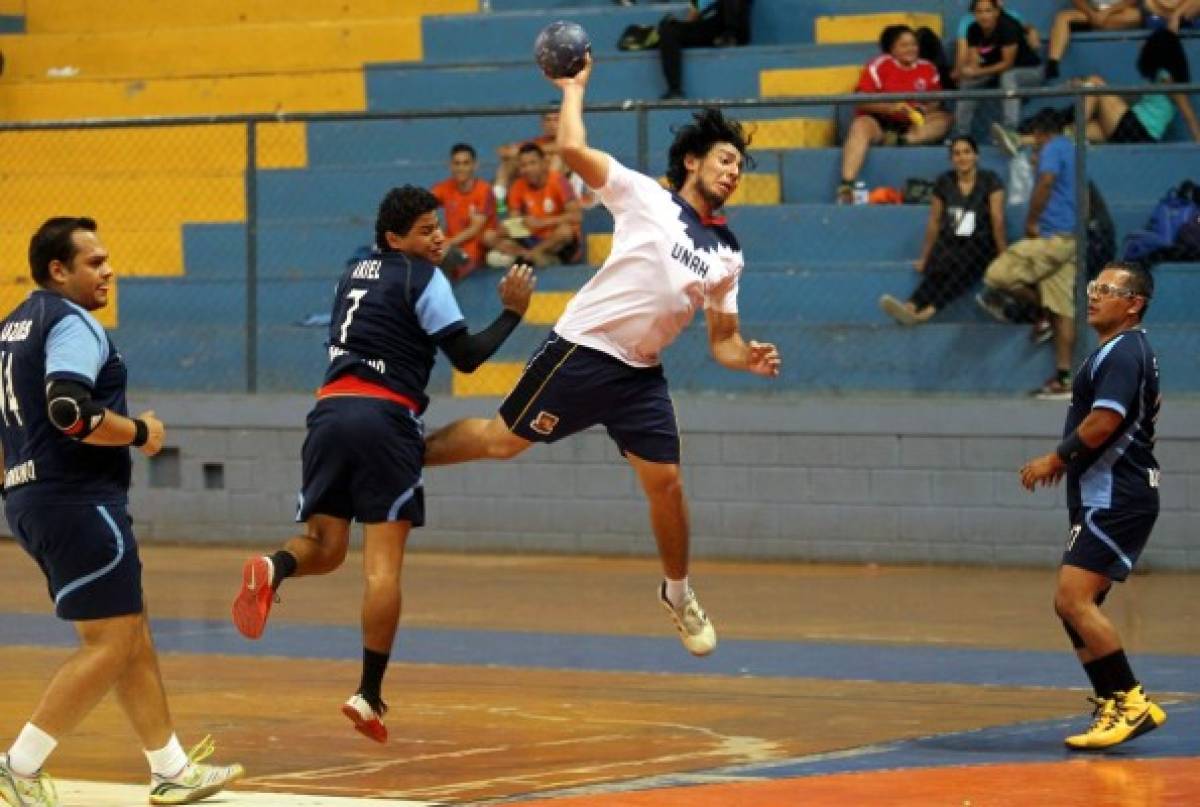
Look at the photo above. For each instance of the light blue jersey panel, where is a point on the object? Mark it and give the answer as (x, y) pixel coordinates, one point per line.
(76, 347)
(437, 307)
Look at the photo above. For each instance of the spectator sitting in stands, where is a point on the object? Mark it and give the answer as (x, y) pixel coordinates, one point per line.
(898, 69)
(546, 216)
(965, 232)
(997, 55)
(709, 23)
(470, 214)
(1032, 38)
(1172, 14)
(1039, 270)
(1093, 15)
(1111, 119)
(506, 170)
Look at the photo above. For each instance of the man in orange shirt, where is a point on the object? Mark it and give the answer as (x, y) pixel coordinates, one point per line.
(507, 154)
(470, 212)
(542, 204)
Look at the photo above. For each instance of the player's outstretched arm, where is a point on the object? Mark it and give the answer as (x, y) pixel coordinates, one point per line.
(591, 164)
(730, 350)
(467, 351)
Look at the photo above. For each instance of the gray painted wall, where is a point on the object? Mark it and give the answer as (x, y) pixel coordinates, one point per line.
(909, 480)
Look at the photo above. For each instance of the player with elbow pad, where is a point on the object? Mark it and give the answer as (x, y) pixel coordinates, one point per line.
(66, 437)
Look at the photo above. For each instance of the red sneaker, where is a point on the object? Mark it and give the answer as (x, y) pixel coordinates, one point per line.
(253, 603)
(366, 720)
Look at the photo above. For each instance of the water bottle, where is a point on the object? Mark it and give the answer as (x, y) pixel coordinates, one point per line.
(1020, 179)
(861, 195)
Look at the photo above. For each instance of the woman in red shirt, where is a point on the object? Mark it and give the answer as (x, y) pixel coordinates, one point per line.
(898, 69)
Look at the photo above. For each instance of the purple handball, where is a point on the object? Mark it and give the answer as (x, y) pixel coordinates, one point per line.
(561, 49)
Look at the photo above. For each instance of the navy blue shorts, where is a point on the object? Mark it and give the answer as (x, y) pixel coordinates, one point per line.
(1107, 542)
(567, 388)
(362, 460)
(88, 554)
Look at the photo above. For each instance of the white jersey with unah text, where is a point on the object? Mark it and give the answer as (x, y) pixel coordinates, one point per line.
(665, 263)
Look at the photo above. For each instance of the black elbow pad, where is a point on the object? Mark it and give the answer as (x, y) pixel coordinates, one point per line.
(72, 409)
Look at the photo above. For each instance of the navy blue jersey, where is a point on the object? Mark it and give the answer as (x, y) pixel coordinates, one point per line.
(1121, 375)
(389, 313)
(48, 337)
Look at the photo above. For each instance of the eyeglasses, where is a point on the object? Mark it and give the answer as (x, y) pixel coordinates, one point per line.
(1095, 289)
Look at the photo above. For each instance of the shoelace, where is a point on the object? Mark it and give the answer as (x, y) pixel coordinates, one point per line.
(46, 784)
(202, 750)
(1104, 714)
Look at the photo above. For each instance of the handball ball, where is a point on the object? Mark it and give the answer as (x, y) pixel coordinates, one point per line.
(561, 49)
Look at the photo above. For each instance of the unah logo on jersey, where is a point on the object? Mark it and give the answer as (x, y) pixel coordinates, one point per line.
(689, 259)
(544, 423)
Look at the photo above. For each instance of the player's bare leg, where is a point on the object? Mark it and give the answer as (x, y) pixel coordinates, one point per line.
(383, 558)
(663, 485)
(473, 439)
(140, 691)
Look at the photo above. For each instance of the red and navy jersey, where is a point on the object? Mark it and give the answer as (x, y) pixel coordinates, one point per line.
(1120, 375)
(389, 313)
(47, 337)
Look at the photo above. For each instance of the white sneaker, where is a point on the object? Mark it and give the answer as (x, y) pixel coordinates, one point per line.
(695, 631)
(196, 781)
(21, 791)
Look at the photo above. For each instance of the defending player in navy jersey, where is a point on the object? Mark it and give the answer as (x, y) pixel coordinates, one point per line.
(66, 436)
(363, 454)
(1107, 455)
(672, 256)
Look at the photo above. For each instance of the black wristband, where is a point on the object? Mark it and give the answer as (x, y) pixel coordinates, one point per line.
(1071, 448)
(141, 433)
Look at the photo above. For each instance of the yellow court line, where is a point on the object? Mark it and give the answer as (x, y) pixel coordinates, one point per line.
(75, 793)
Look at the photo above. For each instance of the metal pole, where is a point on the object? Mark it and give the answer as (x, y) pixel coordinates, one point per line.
(251, 256)
(1083, 208)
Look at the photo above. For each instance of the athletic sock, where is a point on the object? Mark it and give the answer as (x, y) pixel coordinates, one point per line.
(371, 685)
(168, 761)
(30, 750)
(1117, 672)
(284, 564)
(1095, 674)
(676, 591)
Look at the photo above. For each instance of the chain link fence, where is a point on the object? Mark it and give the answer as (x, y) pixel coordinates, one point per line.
(229, 235)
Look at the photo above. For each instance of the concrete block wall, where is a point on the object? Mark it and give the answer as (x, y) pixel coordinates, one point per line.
(905, 480)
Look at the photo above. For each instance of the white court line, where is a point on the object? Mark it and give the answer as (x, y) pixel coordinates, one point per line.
(74, 793)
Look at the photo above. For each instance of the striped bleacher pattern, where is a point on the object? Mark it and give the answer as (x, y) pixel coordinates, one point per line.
(814, 273)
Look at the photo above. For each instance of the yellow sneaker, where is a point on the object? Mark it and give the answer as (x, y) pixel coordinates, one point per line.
(22, 791)
(1135, 715)
(1102, 717)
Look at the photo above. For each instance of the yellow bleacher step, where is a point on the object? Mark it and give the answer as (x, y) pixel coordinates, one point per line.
(12, 8)
(182, 52)
(332, 91)
(791, 133)
(145, 251)
(598, 247)
(492, 379)
(12, 292)
(65, 16)
(215, 149)
(847, 28)
(545, 307)
(756, 189)
(791, 81)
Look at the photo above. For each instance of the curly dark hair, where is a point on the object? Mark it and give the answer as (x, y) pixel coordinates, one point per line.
(708, 128)
(54, 241)
(1163, 50)
(399, 209)
(889, 35)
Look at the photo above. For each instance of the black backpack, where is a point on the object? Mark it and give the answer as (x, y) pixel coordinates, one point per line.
(638, 37)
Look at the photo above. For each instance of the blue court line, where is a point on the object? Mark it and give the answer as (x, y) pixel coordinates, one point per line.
(753, 659)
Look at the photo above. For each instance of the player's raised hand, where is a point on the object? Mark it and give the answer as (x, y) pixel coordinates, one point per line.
(157, 432)
(580, 79)
(516, 287)
(764, 359)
